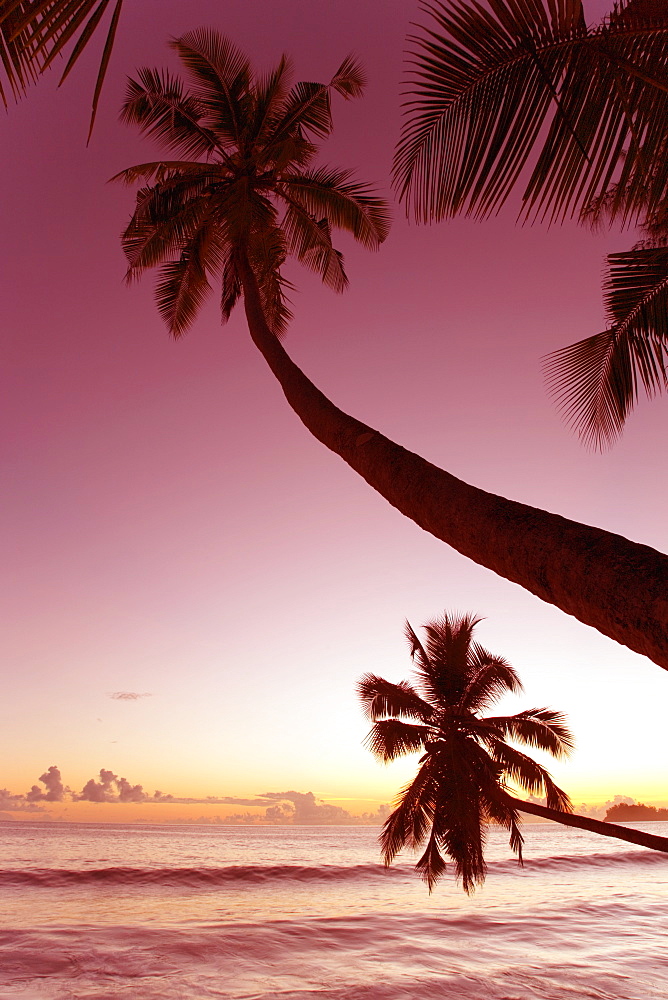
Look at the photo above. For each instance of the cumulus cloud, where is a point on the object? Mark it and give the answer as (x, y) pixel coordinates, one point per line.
(303, 809)
(290, 807)
(16, 803)
(55, 790)
(110, 788)
(129, 695)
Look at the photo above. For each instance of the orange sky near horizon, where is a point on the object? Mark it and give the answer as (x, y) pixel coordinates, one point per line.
(173, 533)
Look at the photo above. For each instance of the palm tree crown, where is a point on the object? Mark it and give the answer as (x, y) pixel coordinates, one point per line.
(247, 192)
(467, 767)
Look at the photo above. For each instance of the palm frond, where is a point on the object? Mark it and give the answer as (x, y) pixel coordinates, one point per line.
(595, 382)
(230, 287)
(183, 286)
(310, 241)
(266, 255)
(159, 106)
(34, 32)
(352, 207)
(382, 698)
(490, 678)
(492, 89)
(392, 738)
(167, 216)
(104, 64)
(529, 775)
(308, 106)
(350, 79)
(501, 810)
(556, 798)
(407, 824)
(432, 865)
(159, 171)
(537, 727)
(221, 78)
(270, 94)
(307, 109)
(418, 652)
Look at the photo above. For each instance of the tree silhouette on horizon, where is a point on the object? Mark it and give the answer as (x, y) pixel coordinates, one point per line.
(468, 767)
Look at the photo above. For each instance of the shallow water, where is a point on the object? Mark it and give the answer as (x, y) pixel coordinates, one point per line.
(184, 913)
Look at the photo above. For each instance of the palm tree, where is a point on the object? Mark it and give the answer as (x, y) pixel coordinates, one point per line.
(468, 767)
(524, 87)
(245, 197)
(34, 32)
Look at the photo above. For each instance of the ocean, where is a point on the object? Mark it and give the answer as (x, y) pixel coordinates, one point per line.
(191, 912)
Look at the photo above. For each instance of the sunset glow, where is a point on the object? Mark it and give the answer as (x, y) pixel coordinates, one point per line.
(192, 584)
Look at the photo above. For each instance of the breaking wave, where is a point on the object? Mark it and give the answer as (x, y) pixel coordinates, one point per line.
(203, 877)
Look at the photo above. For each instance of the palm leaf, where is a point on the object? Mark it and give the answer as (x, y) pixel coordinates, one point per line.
(308, 106)
(595, 382)
(104, 63)
(501, 810)
(383, 698)
(392, 738)
(266, 255)
(407, 825)
(350, 79)
(157, 170)
(221, 77)
(490, 678)
(34, 32)
(183, 284)
(270, 93)
(166, 219)
(432, 865)
(530, 775)
(158, 104)
(231, 287)
(536, 727)
(492, 89)
(352, 207)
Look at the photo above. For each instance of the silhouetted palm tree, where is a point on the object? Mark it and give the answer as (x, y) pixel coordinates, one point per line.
(34, 32)
(253, 198)
(522, 84)
(245, 197)
(468, 767)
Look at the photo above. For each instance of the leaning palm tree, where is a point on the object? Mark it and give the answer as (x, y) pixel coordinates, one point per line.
(33, 33)
(468, 768)
(243, 196)
(523, 93)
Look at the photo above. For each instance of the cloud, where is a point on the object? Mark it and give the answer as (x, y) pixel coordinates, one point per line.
(281, 808)
(130, 695)
(110, 788)
(598, 812)
(303, 809)
(17, 803)
(55, 790)
(130, 793)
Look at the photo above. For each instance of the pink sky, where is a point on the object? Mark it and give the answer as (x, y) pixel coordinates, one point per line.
(170, 527)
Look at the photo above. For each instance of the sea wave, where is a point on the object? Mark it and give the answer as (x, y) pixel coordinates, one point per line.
(194, 877)
(229, 875)
(569, 862)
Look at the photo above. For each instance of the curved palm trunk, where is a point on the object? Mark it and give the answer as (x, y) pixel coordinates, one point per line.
(617, 586)
(593, 825)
